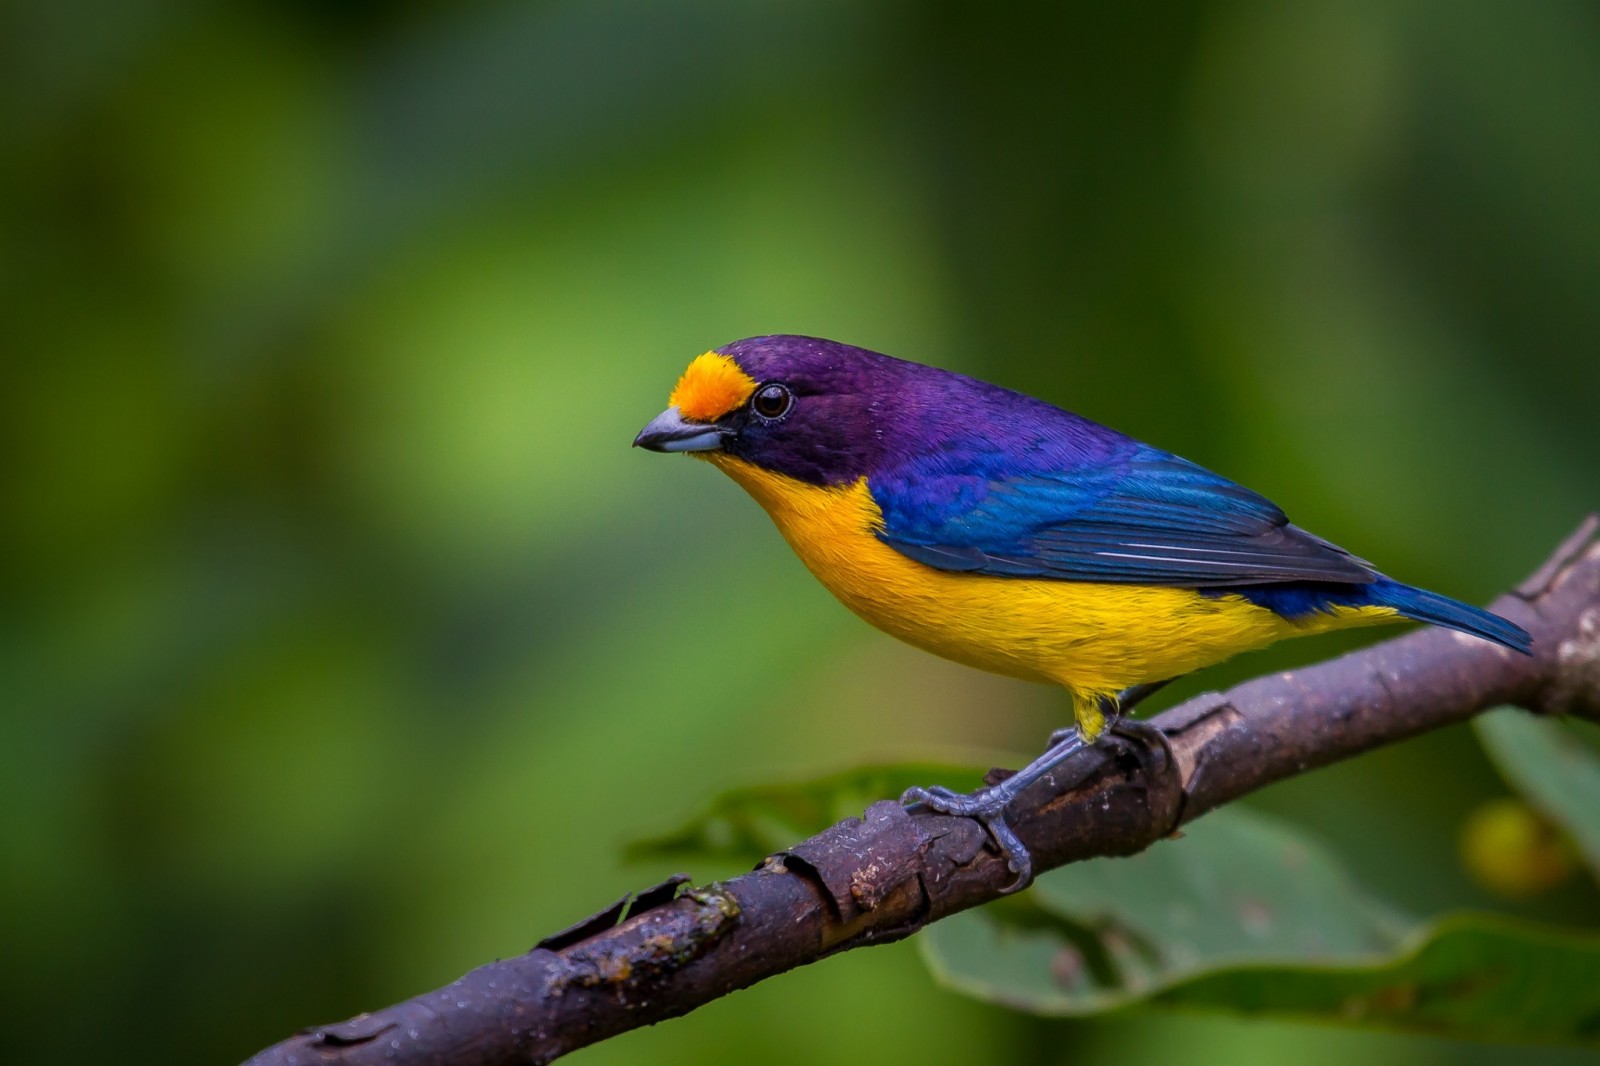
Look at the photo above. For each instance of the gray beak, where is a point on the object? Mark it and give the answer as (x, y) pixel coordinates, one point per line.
(668, 432)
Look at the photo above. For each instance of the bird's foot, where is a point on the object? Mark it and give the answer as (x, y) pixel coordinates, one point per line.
(1140, 739)
(1140, 732)
(1143, 741)
(1114, 714)
(987, 806)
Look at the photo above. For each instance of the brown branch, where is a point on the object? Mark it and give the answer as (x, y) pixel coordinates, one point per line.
(660, 954)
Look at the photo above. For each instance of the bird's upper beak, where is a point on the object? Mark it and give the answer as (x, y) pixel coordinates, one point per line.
(669, 432)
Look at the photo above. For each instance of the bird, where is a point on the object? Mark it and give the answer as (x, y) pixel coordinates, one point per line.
(1001, 531)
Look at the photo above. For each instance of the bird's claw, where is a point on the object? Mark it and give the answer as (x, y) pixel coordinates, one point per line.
(1018, 861)
(1143, 739)
(986, 806)
(949, 801)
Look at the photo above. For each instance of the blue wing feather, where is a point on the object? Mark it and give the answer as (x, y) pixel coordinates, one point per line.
(1143, 517)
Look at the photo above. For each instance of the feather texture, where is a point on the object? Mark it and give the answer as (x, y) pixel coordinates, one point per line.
(1144, 518)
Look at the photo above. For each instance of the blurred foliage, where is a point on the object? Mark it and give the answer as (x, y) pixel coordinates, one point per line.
(1511, 849)
(345, 638)
(1556, 765)
(744, 825)
(1465, 976)
(1246, 915)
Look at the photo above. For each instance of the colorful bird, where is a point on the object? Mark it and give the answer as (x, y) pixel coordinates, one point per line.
(1008, 534)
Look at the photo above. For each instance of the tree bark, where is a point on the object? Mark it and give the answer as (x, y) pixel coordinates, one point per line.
(662, 952)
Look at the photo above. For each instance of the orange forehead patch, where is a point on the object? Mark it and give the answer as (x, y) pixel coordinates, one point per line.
(711, 387)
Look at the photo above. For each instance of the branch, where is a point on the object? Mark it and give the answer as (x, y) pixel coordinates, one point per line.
(658, 954)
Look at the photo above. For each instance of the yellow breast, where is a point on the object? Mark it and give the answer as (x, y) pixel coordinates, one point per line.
(1094, 639)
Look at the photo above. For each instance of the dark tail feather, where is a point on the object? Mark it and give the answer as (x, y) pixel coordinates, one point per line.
(1425, 606)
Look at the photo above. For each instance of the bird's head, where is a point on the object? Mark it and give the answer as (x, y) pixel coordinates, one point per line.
(811, 410)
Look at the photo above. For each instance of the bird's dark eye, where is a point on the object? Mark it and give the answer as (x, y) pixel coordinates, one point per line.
(771, 401)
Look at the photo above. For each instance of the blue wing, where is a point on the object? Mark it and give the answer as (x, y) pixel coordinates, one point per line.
(1142, 517)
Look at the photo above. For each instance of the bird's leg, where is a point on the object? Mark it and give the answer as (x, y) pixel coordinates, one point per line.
(988, 805)
(1116, 714)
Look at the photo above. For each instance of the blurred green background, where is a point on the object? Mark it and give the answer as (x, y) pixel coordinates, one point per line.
(345, 638)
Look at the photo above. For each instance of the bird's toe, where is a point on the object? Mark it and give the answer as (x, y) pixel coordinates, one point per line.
(948, 800)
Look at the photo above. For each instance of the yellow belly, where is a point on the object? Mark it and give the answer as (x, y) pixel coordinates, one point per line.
(1094, 639)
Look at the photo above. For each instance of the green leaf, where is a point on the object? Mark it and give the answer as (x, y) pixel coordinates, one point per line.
(1239, 886)
(1466, 976)
(746, 824)
(1553, 765)
(1244, 915)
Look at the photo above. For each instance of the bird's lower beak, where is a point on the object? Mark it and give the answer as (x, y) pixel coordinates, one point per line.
(668, 432)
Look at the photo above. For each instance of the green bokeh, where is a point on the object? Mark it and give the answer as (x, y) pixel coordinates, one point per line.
(346, 640)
